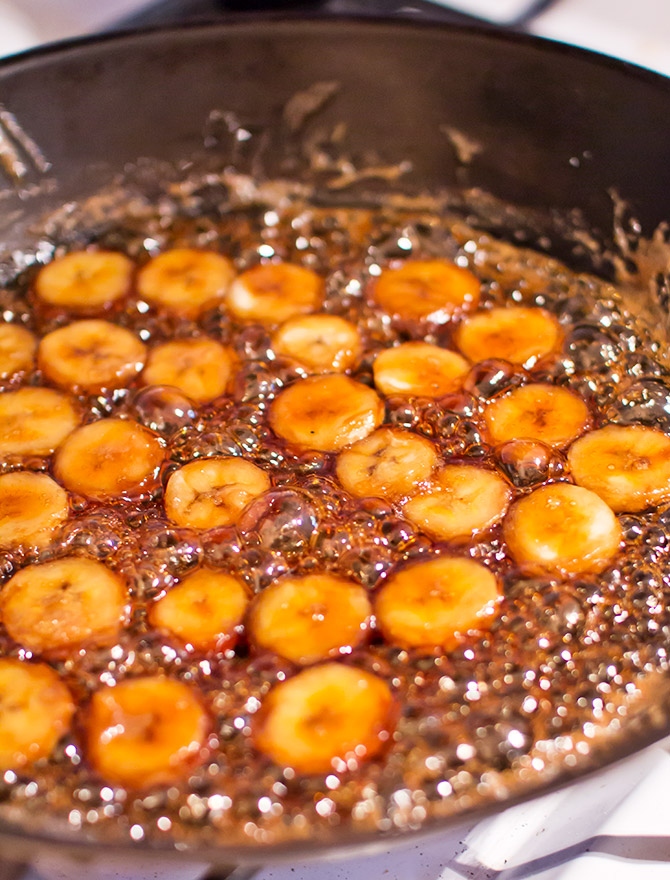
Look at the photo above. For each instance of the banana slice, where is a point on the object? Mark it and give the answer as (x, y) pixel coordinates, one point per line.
(91, 355)
(34, 421)
(17, 350)
(325, 713)
(628, 467)
(547, 413)
(310, 618)
(431, 604)
(85, 281)
(32, 507)
(387, 464)
(63, 605)
(201, 368)
(112, 458)
(213, 492)
(417, 369)
(517, 335)
(205, 610)
(461, 501)
(146, 732)
(273, 293)
(185, 281)
(562, 528)
(35, 712)
(319, 343)
(434, 289)
(326, 412)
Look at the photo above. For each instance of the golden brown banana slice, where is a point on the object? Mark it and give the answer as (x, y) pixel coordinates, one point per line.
(517, 335)
(310, 618)
(319, 343)
(34, 421)
(461, 501)
(85, 281)
(430, 604)
(628, 467)
(390, 463)
(417, 369)
(562, 528)
(201, 368)
(185, 281)
(326, 412)
(204, 610)
(63, 605)
(32, 507)
(274, 292)
(325, 713)
(112, 458)
(433, 289)
(17, 350)
(146, 732)
(547, 413)
(213, 492)
(35, 711)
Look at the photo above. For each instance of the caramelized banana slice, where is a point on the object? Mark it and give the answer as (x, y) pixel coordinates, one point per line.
(417, 369)
(201, 368)
(213, 492)
(85, 281)
(388, 464)
(91, 355)
(111, 458)
(562, 528)
(461, 501)
(517, 335)
(34, 421)
(17, 350)
(310, 618)
(628, 467)
(326, 412)
(205, 610)
(434, 289)
(322, 714)
(32, 507)
(319, 343)
(35, 711)
(63, 605)
(146, 732)
(185, 281)
(273, 293)
(431, 604)
(552, 415)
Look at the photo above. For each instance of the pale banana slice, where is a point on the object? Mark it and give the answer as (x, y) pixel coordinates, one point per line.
(205, 610)
(201, 367)
(461, 501)
(32, 507)
(433, 289)
(57, 607)
(561, 528)
(35, 712)
(185, 281)
(112, 458)
(91, 355)
(326, 412)
(517, 335)
(390, 463)
(417, 369)
(628, 467)
(547, 413)
(310, 618)
(34, 421)
(323, 714)
(146, 732)
(274, 292)
(430, 604)
(17, 350)
(212, 492)
(85, 281)
(319, 343)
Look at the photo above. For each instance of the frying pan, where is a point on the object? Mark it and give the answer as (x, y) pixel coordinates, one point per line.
(556, 129)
